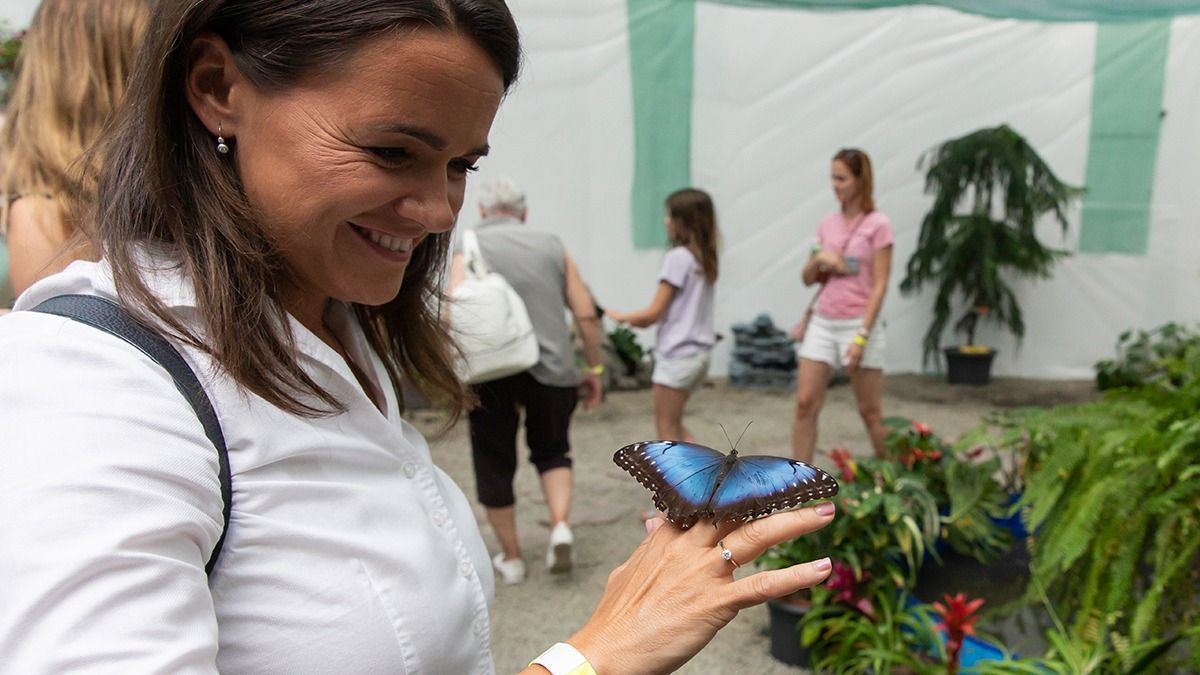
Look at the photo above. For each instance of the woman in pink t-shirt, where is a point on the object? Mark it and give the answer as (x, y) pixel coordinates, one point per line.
(852, 261)
(683, 309)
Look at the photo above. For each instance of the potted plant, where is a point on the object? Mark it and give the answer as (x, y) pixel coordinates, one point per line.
(969, 254)
(10, 48)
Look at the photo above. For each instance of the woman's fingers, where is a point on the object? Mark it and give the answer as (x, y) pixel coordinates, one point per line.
(763, 586)
(751, 539)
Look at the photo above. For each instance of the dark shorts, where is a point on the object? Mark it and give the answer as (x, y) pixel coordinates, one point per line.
(494, 432)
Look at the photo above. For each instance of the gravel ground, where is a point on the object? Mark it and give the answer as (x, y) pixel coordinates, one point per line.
(529, 617)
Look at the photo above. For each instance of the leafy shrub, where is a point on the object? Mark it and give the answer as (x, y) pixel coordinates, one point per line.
(1112, 490)
(628, 350)
(1145, 357)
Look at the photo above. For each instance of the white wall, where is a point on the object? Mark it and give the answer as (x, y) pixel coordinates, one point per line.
(777, 92)
(17, 13)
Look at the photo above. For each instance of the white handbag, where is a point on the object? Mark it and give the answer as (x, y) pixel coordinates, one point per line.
(489, 321)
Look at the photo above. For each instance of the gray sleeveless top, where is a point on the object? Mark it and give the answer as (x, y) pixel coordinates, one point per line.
(534, 263)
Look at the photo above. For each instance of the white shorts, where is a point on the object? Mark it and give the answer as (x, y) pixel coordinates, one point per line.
(827, 340)
(683, 372)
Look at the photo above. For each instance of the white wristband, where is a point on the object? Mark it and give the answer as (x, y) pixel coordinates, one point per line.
(563, 659)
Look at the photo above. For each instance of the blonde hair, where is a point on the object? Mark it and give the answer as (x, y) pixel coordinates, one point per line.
(70, 78)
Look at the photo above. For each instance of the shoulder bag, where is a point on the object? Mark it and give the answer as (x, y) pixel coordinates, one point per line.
(489, 321)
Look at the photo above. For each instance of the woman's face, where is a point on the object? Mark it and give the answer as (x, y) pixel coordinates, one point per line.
(351, 169)
(845, 185)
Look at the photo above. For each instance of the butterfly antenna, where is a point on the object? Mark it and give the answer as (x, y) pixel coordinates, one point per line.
(739, 440)
(731, 446)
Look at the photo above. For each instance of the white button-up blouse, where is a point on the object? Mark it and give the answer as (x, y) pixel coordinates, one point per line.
(348, 551)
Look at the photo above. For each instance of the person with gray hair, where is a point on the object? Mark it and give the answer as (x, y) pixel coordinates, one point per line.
(539, 268)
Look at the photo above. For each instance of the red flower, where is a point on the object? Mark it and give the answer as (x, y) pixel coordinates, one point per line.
(958, 620)
(845, 463)
(922, 429)
(975, 452)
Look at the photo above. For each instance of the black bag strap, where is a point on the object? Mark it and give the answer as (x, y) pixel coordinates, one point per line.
(111, 318)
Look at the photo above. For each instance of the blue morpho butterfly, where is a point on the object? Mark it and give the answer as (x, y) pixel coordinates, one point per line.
(691, 481)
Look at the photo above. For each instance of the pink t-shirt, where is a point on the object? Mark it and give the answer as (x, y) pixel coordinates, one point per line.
(846, 297)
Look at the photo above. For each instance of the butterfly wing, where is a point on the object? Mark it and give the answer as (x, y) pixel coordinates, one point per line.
(682, 476)
(759, 484)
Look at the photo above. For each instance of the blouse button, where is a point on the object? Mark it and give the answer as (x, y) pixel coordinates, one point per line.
(410, 470)
(466, 568)
(439, 518)
(480, 625)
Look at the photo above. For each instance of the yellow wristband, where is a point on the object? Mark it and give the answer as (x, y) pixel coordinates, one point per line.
(597, 369)
(860, 341)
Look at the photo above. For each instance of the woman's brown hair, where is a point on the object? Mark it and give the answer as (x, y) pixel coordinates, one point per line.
(695, 221)
(860, 166)
(163, 184)
(71, 74)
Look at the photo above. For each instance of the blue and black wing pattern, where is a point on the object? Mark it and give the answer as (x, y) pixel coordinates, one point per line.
(692, 482)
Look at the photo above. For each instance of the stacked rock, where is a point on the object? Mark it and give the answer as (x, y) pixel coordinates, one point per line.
(763, 356)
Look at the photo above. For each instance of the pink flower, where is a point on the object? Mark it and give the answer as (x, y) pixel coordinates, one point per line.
(922, 429)
(843, 580)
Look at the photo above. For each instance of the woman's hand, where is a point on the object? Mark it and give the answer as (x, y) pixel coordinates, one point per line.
(619, 317)
(676, 591)
(854, 355)
(831, 262)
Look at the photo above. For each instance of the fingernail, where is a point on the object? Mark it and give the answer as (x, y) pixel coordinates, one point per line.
(649, 525)
(825, 509)
(822, 565)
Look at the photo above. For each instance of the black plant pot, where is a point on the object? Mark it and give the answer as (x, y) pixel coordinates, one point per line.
(968, 368)
(785, 637)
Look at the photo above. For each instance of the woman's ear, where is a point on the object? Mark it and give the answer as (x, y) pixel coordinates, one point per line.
(214, 85)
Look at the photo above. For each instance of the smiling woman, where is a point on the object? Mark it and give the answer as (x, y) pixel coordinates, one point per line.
(275, 200)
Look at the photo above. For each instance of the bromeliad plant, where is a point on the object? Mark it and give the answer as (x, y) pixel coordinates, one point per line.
(969, 495)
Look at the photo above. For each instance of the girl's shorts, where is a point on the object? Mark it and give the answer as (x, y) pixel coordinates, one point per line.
(681, 372)
(827, 340)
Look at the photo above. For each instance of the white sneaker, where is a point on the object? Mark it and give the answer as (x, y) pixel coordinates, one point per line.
(511, 571)
(558, 555)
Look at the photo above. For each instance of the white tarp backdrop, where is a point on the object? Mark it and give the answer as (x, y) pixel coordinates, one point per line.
(777, 92)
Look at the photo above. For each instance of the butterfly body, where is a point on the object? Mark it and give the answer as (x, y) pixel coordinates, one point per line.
(692, 482)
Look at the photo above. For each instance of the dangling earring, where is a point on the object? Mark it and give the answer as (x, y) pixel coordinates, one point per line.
(221, 146)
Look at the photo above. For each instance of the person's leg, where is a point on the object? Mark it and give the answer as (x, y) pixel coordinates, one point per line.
(811, 382)
(668, 413)
(493, 426)
(868, 391)
(548, 413)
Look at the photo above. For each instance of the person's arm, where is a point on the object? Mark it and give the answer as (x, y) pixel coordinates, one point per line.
(652, 313)
(881, 267)
(820, 265)
(110, 505)
(583, 308)
(668, 600)
(38, 244)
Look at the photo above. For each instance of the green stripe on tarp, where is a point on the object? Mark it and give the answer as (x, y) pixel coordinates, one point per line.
(1029, 10)
(661, 36)
(1123, 151)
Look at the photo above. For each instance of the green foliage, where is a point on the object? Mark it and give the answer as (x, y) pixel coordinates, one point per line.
(1102, 650)
(1145, 357)
(844, 640)
(1112, 490)
(887, 521)
(892, 511)
(10, 48)
(970, 255)
(628, 349)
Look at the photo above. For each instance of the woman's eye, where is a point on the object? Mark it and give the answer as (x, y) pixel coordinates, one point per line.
(390, 155)
(464, 166)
